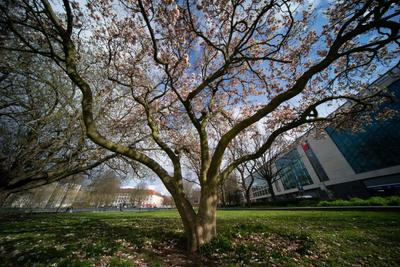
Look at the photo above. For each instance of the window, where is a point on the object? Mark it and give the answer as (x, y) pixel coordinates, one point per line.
(377, 145)
(259, 190)
(294, 173)
(319, 170)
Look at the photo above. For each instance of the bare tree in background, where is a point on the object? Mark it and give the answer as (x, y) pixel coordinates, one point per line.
(228, 191)
(139, 194)
(104, 189)
(168, 202)
(247, 178)
(264, 167)
(243, 145)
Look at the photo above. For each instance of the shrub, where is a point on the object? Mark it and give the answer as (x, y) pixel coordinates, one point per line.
(372, 201)
(393, 201)
(324, 203)
(355, 201)
(376, 201)
(340, 202)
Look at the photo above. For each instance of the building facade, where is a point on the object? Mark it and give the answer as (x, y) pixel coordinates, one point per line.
(141, 198)
(64, 195)
(343, 163)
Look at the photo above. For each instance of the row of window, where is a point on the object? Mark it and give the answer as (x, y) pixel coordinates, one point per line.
(292, 171)
(260, 191)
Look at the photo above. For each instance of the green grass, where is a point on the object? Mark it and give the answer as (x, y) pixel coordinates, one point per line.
(250, 238)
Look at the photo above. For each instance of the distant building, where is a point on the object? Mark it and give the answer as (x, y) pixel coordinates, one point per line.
(144, 198)
(125, 197)
(63, 195)
(344, 163)
(154, 199)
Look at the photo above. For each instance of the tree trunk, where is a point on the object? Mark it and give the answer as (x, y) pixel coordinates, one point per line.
(248, 198)
(199, 228)
(206, 219)
(223, 196)
(271, 190)
(3, 198)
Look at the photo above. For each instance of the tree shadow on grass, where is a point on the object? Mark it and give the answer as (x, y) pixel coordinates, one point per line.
(46, 240)
(127, 240)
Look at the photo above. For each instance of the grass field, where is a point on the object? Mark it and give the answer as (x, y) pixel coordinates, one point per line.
(246, 238)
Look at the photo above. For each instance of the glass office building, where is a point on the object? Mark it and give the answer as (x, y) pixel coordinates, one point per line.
(345, 163)
(377, 145)
(293, 173)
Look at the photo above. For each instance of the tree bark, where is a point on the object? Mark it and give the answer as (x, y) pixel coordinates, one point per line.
(3, 198)
(206, 219)
(248, 198)
(199, 228)
(271, 190)
(223, 196)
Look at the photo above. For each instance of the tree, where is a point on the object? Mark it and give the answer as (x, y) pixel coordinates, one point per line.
(104, 189)
(139, 194)
(176, 75)
(83, 198)
(228, 188)
(264, 167)
(168, 202)
(241, 146)
(229, 191)
(247, 179)
(261, 168)
(3, 198)
(42, 134)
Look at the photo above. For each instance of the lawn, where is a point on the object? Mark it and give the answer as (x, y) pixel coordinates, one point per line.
(249, 238)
